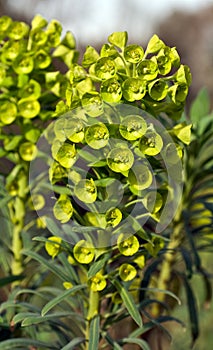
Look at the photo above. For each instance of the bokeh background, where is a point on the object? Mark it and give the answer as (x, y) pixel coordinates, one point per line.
(186, 24)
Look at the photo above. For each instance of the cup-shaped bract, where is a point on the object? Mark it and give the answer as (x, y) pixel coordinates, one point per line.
(127, 245)
(133, 127)
(153, 201)
(28, 151)
(86, 191)
(113, 217)
(158, 89)
(8, 112)
(83, 252)
(97, 282)
(105, 68)
(111, 90)
(66, 155)
(97, 135)
(127, 272)
(147, 69)
(28, 109)
(151, 143)
(120, 159)
(53, 246)
(63, 209)
(133, 53)
(133, 89)
(140, 177)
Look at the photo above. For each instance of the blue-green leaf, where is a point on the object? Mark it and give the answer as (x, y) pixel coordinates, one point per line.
(142, 343)
(200, 107)
(52, 303)
(94, 333)
(73, 343)
(128, 302)
(24, 343)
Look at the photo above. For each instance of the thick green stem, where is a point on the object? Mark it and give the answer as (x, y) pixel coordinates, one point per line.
(93, 310)
(17, 214)
(17, 263)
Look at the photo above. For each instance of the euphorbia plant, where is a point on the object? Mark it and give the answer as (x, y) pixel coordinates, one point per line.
(105, 177)
(30, 88)
(114, 172)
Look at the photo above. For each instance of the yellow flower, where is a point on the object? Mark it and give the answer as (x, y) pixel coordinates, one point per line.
(53, 246)
(84, 252)
(97, 282)
(127, 272)
(127, 245)
(67, 285)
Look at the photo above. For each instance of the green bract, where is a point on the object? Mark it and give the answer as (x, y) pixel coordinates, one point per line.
(133, 53)
(140, 177)
(18, 30)
(37, 201)
(153, 201)
(111, 90)
(63, 209)
(97, 282)
(183, 132)
(118, 39)
(133, 89)
(158, 89)
(127, 245)
(113, 217)
(28, 109)
(42, 59)
(120, 159)
(105, 68)
(93, 104)
(133, 127)
(69, 128)
(53, 246)
(172, 153)
(5, 23)
(84, 252)
(23, 64)
(147, 69)
(85, 191)
(154, 44)
(97, 136)
(127, 272)
(165, 59)
(31, 91)
(66, 155)
(151, 143)
(28, 151)
(8, 112)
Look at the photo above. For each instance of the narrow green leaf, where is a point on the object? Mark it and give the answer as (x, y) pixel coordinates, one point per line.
(142, 343)
(50, 264)
(128, 302)
(32, 320)
(94, 333)
(97, 265)
(113, 343)
(73, 343)
(192, 307)
(60, 298)
(200, 106)
(7, 280)
(25, 343)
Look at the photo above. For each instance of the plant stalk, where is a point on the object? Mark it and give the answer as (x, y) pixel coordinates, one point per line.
(93, 311)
